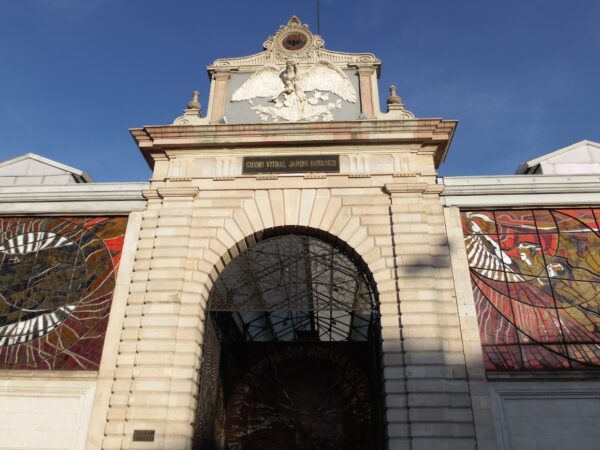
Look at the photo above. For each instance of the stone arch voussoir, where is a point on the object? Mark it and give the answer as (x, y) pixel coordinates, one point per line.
(314, 212)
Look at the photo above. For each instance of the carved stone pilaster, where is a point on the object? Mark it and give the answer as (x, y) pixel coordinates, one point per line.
(365, 82)
(221, 80)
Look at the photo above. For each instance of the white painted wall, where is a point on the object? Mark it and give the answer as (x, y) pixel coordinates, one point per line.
(45, 414)
(33, 170)
(545, 415)
(581, 160)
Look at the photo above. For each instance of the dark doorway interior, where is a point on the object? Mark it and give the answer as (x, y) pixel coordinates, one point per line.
(291, 351)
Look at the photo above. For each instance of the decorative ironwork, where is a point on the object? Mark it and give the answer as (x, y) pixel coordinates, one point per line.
(291, 351)
(210, 391)
(536, 282)
(294, 288)
(300, 396)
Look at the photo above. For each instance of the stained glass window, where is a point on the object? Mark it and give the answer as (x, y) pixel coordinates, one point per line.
(57, 276)
(536, 283)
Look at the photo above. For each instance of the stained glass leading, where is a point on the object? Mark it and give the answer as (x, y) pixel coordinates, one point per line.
(536, 284)
(57, 276)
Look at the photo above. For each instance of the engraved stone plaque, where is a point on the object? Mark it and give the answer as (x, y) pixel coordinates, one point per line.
(143, 435)
(291, 164)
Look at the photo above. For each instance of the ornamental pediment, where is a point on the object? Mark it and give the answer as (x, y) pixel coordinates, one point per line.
(293, 41)
(294, 79)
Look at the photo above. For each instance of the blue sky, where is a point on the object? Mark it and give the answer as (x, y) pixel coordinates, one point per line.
(521, 77)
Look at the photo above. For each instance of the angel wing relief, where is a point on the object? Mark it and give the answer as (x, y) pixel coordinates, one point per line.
(296, 95)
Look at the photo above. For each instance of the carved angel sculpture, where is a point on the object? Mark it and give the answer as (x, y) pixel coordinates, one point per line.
(287, 90)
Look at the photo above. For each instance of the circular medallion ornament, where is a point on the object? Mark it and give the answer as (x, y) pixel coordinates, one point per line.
(294, 41)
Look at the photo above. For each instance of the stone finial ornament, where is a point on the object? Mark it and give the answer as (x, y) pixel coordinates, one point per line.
(194, 103)
(191, 114)
(394, 98)
(395, 107)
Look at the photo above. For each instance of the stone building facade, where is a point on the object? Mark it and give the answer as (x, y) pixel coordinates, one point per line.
(227, 248)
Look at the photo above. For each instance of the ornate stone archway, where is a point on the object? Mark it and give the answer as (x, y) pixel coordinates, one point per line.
(206, 206)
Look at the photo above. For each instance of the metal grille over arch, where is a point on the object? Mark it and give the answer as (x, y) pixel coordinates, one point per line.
(292, 331)
(296, 287)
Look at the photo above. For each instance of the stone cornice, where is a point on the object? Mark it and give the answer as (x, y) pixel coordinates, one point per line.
(253, 62)
(178, 191)
(521, 190)
(410, 188)
(79, 198)
(73, 192)
(435, 135)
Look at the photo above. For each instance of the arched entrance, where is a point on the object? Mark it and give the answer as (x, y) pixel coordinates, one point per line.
(291, 349)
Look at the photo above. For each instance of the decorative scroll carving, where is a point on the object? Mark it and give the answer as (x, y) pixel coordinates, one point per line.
(294, 40)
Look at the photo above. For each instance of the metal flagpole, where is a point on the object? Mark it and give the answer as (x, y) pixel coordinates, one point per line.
(319, 17)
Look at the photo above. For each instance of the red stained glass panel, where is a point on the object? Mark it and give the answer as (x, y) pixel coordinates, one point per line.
(479, 222)
(536, 283)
